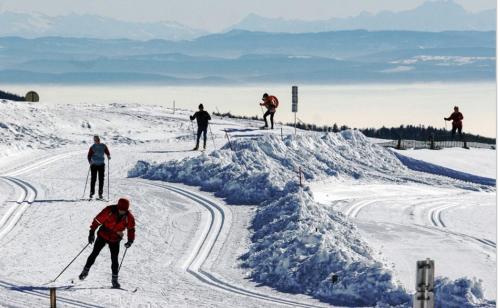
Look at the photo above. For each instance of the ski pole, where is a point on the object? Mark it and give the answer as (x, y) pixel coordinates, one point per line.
(213, 139)
(123, 258)
(86, 182)
(108, 177)
(192, 128)
(70, 263)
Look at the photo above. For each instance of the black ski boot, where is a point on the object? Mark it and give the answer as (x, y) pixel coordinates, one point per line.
(114, 282)
(84, 273)
(100, 197)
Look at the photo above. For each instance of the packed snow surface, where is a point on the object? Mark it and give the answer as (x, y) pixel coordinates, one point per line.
(353, 242)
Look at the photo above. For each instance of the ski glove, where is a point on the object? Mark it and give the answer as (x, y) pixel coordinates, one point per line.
(91, 237)
(128, 244)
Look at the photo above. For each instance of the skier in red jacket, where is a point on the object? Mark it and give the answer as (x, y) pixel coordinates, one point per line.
(457, 118)
(113, 220)
(271, 103)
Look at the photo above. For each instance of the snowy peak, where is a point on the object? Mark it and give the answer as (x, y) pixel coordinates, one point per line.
(76, 25)
(429, 16)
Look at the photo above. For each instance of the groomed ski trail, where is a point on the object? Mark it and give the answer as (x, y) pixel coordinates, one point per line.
(27, 195)
(204, 248)
(433, 213)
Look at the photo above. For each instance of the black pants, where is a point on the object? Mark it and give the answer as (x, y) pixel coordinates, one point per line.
(200, 131)
(454, 130)
(268, 112)
(94, 170)
(114, 248)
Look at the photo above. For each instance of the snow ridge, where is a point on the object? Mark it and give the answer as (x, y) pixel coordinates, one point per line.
(298, 244)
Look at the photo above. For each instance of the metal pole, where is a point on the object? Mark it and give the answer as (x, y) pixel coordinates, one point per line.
(71, 262)
(424, 297)
(52, 297)
(86, 182)
(109, 167)
(295, 123)
(123, 258)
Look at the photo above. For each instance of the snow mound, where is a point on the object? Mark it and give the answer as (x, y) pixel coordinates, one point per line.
(422, 166)
(258, 169)
(298, 245)
(460, 293)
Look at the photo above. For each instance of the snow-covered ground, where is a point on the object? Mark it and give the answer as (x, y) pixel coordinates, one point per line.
(364, 217)
(480, 162)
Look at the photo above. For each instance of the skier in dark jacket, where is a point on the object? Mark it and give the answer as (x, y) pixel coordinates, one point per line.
(97, 164)
(457, 118)
(202, 117)
(112, 221)
(271, 103)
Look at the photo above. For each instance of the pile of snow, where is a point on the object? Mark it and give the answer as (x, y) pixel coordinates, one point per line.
(298, 244)
(462, 292)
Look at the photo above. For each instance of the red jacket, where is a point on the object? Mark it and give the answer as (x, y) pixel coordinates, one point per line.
(457, 118)
(112, 226)
(271, 103)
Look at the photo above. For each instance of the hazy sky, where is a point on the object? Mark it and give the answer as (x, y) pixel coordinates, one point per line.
(216, 15)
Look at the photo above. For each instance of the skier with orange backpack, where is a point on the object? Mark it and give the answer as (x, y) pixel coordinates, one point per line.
(271, 103)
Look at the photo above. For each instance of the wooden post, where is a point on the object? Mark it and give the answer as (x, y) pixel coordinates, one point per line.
(229, 140)
(52, 297)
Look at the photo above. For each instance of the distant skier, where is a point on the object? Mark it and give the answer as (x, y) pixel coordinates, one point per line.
(271, 103)
(113, 220)
(457, 118)
(202, 117)
(97, 164)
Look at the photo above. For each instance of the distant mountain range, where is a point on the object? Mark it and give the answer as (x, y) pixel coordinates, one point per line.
(255, 57)
(91, 26)
(441, 15)
(430, 16)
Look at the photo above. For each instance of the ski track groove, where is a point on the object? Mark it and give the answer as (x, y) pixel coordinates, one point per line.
(13, 216)
(206, 244)
(434, 215)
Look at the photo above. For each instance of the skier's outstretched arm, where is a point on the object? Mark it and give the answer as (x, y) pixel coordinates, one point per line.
(106, 151)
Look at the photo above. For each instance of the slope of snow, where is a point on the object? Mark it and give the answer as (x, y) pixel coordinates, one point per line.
(479, 162)
(422, 166)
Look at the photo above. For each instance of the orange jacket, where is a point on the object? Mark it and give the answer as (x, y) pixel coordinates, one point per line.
(112, 225)
(271, 103)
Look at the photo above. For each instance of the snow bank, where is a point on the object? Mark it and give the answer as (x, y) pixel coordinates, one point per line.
(298, 244)
(422, 166)
(460, 293)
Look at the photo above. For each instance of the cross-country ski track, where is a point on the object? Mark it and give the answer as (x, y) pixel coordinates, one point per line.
(28, 294)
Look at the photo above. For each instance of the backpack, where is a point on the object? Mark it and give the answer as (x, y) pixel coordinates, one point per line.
(276, 101)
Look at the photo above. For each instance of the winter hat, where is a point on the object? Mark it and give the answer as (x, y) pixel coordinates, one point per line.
(265, 96)
(200, 106)
(123, 204)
